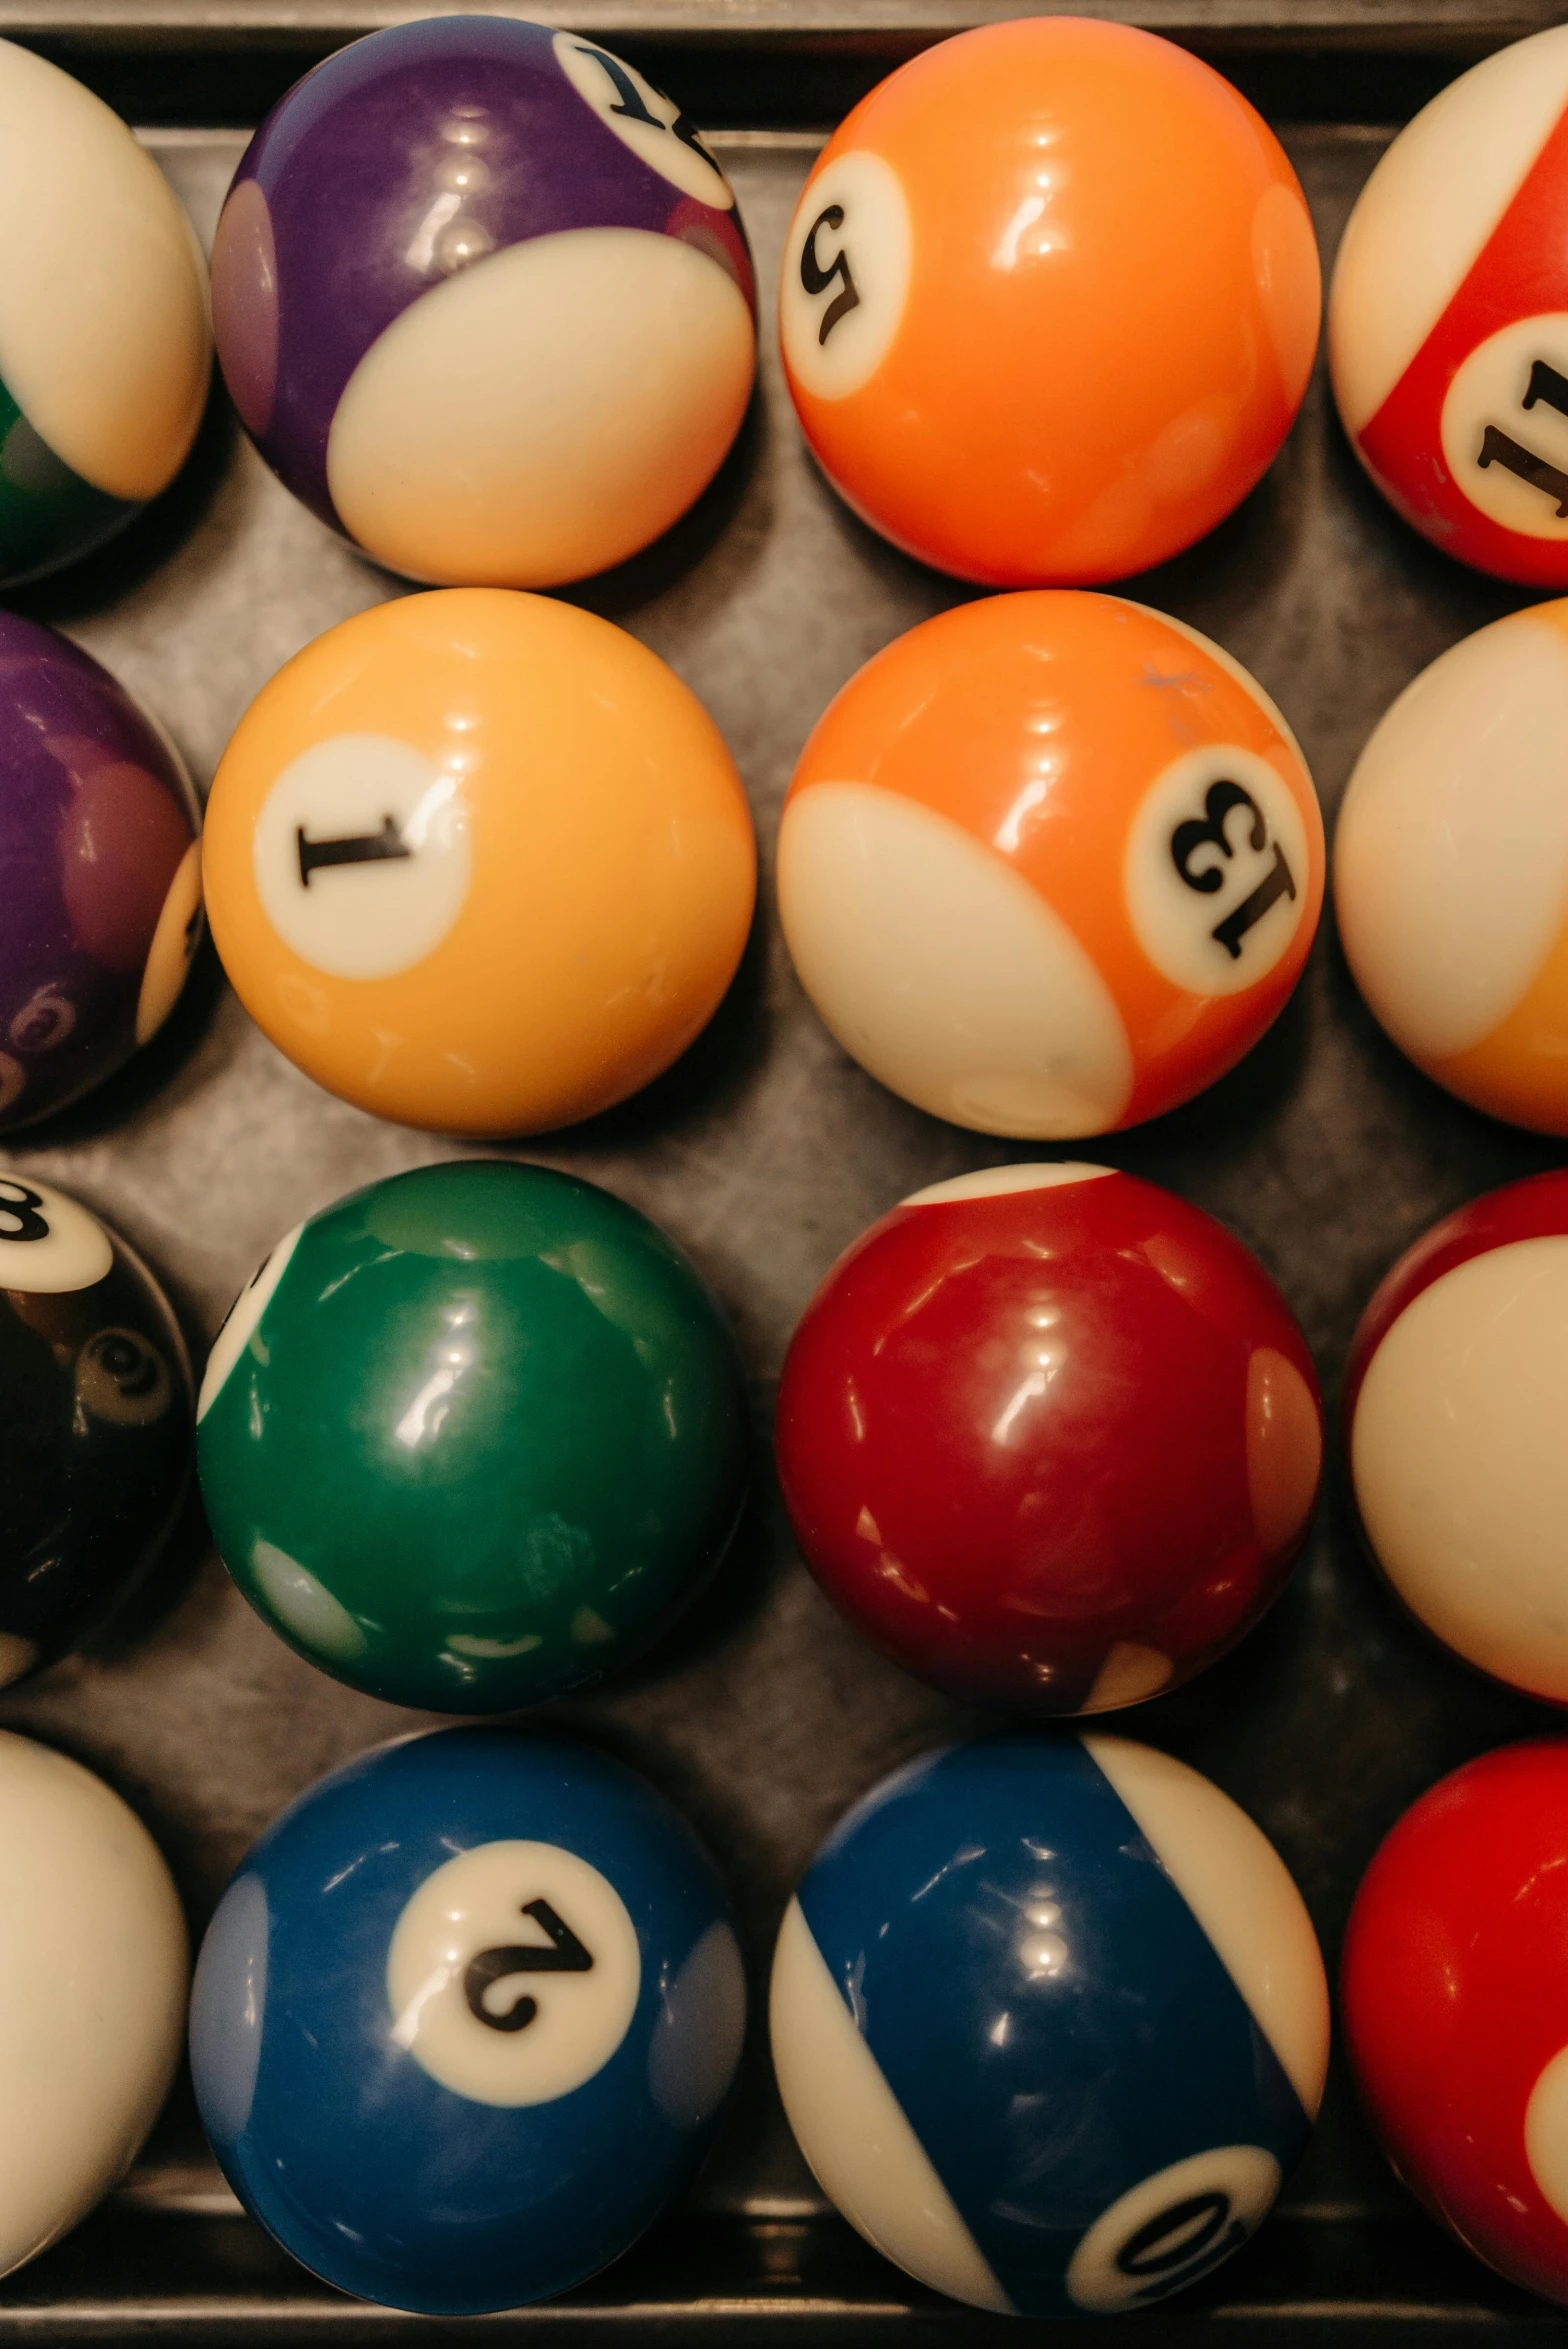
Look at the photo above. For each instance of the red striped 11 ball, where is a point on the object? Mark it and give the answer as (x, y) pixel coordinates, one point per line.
(1448, 317)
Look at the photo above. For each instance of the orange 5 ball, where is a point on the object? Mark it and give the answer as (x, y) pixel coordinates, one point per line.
(479, 861)
(1050, 864)
(1049, 302)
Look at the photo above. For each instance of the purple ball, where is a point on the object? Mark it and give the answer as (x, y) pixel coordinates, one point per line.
(101, 871)
(483, 301)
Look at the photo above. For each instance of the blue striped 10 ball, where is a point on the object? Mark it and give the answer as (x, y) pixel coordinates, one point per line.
(465, 2020)
(1050, 2023)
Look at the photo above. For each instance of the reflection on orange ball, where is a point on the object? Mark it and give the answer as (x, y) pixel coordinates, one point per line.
(1050, 864)
(1049, 302)
(479, 861)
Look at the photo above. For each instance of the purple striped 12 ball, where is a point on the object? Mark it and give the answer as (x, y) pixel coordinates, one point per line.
(101, 868)
(483, 301)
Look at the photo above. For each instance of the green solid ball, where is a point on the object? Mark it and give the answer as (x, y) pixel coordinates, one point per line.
(473, 1436)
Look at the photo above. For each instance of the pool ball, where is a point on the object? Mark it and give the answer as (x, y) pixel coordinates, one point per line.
(479, 861)
(1456, 2011)
(1050, 864)
(1455, 1397)
(1448, 317)
(105, 349)
(1049, 302)
(95, 1421)
(1050, 2023)
(472, 1436)
(93, 1969)
(465, 2020)
(483, 301)
(98, 844)
(1049, 1437)
(1451, 870)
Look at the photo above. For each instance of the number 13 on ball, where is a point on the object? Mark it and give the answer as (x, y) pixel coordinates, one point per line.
(1050, 864)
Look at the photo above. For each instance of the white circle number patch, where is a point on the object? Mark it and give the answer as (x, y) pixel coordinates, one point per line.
(1216, 872)
(513, 1973)
(846, 275)
(361, 855)
(1505, 427)
(657, 131)
(1546, 2133)
(49, 1245)
(1173, 2228)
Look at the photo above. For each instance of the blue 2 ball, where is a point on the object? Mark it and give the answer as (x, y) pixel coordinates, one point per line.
(465, 2020)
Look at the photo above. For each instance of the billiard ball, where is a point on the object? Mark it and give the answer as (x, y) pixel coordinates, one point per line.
(1050, 864)
(93, 1969)
(1451, 870)
(1455, 2009)
(95, 1421)
(465, 2020)
(1049, 302)
(479, 861)
(1455, 1395)
(472, 1436)
(98, 844)
(103, 322)
(1049, 1437)
(1448, 317)
(484, 302)
(1050, 2023)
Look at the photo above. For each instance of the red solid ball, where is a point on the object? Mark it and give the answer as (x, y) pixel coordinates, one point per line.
(1049, 1437)
(1455, 1997)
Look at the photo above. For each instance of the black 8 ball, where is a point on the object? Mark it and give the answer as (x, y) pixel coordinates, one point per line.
(95, 1421)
